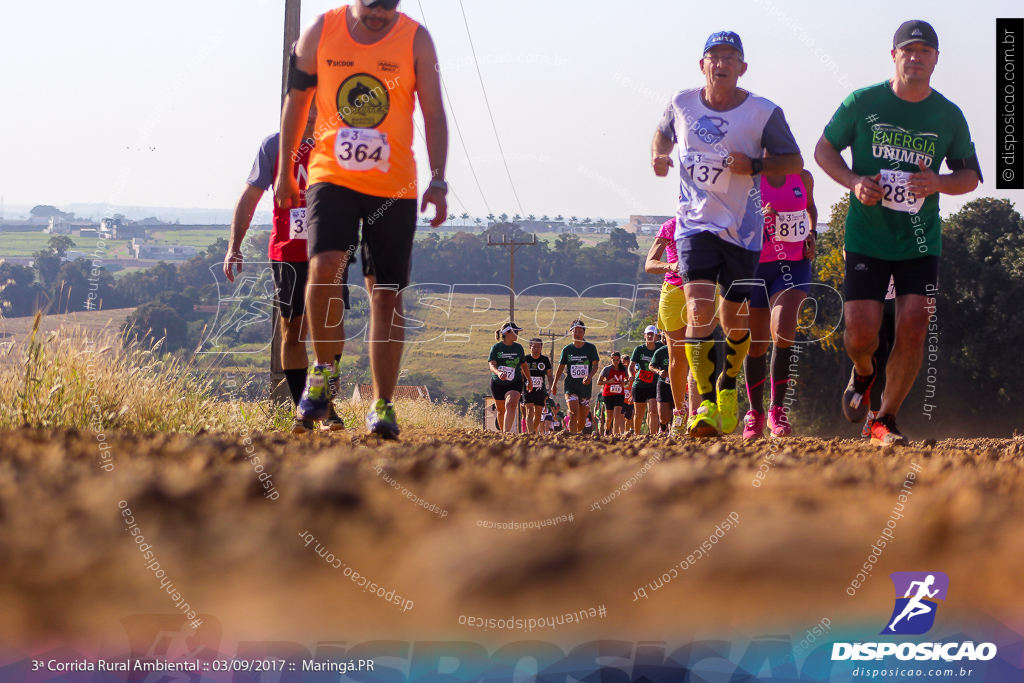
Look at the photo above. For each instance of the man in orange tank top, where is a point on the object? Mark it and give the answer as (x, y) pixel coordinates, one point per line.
(366, 64)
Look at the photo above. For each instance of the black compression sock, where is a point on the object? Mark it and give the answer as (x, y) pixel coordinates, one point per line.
(296, 382)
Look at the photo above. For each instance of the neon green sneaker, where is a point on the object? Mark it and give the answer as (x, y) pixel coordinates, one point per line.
(381, 419)
(706, 422)
(679, 422)
(728, 410)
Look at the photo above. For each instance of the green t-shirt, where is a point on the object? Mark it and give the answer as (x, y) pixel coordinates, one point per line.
(887, 134)
(659, 361)
(642, 357)
(578, 361)
(510, 357)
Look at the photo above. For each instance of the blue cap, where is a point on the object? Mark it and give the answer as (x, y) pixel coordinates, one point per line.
(724, 38)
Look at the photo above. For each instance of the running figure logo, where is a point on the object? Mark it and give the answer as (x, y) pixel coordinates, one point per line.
(914, 613)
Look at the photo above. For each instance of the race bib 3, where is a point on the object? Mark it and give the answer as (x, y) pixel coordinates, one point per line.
(297, 224)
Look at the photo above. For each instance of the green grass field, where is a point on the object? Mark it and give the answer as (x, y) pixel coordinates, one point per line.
(22, 244)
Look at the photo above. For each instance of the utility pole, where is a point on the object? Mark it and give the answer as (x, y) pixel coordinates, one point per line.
(279, 388)
(552, 335)
(511, 246)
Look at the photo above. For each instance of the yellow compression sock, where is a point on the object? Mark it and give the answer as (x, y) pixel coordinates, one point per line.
(700, 353)
(735, 352)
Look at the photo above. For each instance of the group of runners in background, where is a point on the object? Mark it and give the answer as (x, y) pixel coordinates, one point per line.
(737, 255)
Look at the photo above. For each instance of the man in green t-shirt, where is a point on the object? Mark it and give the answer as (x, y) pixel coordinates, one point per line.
(580, 357)
(645, 382)
(899, 132)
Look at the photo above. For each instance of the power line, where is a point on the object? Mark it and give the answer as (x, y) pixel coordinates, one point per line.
(458, 129)
(489, 113)
(450, 188)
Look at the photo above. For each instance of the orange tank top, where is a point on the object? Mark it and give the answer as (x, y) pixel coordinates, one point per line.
(365, 99)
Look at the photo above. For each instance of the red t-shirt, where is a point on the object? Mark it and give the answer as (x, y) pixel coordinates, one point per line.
(288, 238)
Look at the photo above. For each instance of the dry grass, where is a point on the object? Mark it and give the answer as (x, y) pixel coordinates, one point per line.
(88, 379)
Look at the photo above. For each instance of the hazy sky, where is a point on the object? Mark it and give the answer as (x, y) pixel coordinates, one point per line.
(164, 104)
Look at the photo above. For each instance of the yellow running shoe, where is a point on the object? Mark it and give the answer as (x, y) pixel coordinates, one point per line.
(706, 422)
(728, 410)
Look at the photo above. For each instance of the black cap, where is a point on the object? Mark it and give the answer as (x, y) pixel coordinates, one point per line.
(915, 31)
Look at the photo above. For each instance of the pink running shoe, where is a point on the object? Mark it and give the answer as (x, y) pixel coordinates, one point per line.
(753, 425)
(778, 421)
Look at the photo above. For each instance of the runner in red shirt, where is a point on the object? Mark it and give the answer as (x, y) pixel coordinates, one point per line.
(290, 266)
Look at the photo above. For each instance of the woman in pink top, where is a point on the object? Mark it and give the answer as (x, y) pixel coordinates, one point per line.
(785, 269)
(672, 318)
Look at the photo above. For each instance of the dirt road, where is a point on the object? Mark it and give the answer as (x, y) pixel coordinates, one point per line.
(688, 525)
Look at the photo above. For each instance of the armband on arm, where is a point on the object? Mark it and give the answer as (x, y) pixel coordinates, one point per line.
(970, 162)
(297, 79)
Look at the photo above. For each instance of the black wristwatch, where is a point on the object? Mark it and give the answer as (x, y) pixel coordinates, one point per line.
(755, 166)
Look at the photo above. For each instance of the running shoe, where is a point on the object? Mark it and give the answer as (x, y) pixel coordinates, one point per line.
(333, 423)
(381, 419)
(865, 431)
(753, 425)
(857, 397)
(302, 426)
(706, 422)
(884, 432)
(778, 421)
(334, 379)
(316, 397)
(727, 408)
(679, 422)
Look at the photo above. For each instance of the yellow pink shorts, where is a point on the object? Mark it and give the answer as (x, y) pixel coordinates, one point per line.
(671, 308)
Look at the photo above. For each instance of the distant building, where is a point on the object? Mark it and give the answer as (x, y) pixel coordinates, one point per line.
(89, 232)
(364, 392)
(647, 225)
(117, 229)
(162, 252)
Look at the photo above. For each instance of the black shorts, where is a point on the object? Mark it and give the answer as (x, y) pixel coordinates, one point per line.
(867, 278)
(389, 228)
(705, 256)
(498, 391)
(614, 401)
(290, 278)
(627, 411)
(536, 397)
(642, 393)
(665, 393)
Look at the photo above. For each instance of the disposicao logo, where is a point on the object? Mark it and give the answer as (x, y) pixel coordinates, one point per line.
(914, 614)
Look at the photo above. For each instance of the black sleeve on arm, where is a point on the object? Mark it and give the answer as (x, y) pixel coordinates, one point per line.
(970, 162)
(297, 79)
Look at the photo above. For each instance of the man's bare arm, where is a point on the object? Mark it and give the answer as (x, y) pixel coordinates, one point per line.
(865, 188)
(295, 113)
(428, 91)
(244, 210)
(661, 149)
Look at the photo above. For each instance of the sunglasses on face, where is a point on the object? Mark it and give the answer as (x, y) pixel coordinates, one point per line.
(383, 4)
